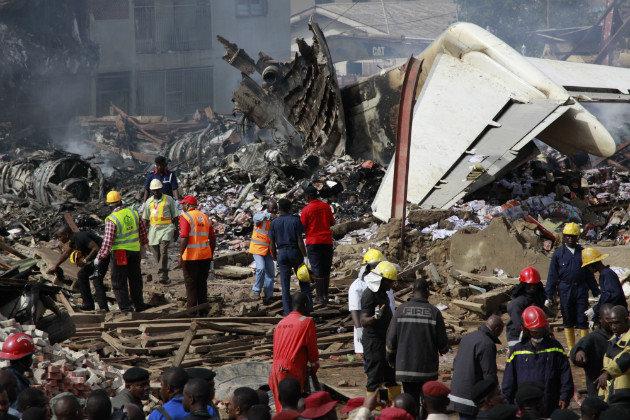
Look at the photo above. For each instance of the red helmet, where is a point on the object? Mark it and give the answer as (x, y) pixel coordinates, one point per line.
(534, 318)
(530, 275)
(17, 346)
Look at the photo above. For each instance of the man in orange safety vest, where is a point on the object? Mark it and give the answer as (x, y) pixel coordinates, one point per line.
(259, 247)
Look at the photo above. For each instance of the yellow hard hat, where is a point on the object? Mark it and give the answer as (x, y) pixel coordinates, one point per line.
(155, 184)
(591, 255)
(373, 256)
(113, 197)
(572, 229)
(75, 256)
(387, 270)
(303, 275)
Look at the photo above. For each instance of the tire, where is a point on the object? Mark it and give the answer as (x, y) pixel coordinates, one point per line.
(59, 327)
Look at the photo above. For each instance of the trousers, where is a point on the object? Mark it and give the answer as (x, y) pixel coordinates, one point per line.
(572, 308)
(161, 258)
(196, 280)
(126, 281)
(289, 260)
(265, 272)
(83, 280)
(376, 368)
(320, 257)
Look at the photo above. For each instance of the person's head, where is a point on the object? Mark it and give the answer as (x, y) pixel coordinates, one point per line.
(592, 260)
(160, 164)
(156, 188)
(502, 412)
(67, 408)
(435, 396)
(18, 349)
(300, 303)
(495, 323)
(272, 206)
(372, 258)
(530, 280)
(172, 382)
(64, 233)
(284, 205)
(205, 374)
(421, 288)
(242, 400)
(614, 412)
(408, 403)
(137, 382)
(536, 324)
(592, 407)
(604, 316)
(133, 412)
(564, 414)
(570, 240)
(259, 412)
(263, 396)
(188, 203)
(114, 199)
(530, 398)
(8, 383)
(570, 234)
(486, 394)
(98, 405)
(31, 397)
(320, 406)
(4, 403)
(196, 395)
(289, 390)
(388, 274)
(36, 413)
(311, 193)
(618, 320)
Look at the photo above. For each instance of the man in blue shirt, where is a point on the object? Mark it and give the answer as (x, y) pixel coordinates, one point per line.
(172, 384)
(288, 249)
(166, 177)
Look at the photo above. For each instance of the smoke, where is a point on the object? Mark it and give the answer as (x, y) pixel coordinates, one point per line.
(615, 117)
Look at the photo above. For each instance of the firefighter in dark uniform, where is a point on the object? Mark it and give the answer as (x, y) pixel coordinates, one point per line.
(573, 283)
(610, 288)
(530, 291)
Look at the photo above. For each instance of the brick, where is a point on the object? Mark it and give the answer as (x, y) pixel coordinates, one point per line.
(54, 375)
(77, 379)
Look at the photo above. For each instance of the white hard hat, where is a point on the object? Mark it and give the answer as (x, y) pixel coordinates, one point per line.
(156, 184)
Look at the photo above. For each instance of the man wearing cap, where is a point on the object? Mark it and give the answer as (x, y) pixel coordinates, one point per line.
(136, 388)
(572, 282)
(530, 399)
(415, 339)
(588, 353)
(195, 252)
(319, 405)
(125, 236)
(486, 394)
(609, 284)
(295, 351)
(166, 177)
(503, 412)
(160, 211)
(259, 247)
(370, 260)
(530, 291)
(540, 359)
(435, 400)
(317, 219)
(615, 377)
(592, 407)
(476, 360)
(19, 349)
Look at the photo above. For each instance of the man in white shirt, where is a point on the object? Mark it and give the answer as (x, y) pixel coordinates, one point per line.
(370, 260)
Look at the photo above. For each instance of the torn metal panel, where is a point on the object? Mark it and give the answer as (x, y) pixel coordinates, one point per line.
(299, 99)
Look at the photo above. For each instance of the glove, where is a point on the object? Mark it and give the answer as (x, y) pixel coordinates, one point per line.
(378, 312)
(590, 313)
(96, 261)
(548, 303)
(307, 262)
(359, 334)
(591, 325)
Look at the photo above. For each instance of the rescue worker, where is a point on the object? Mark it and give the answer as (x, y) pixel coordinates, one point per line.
(82, 249)
(609, 284)
(476, 361)
(376, 315)
(18, 349)
(295, 352)
(530, 291)
(539, 359)
(317, 219)
(588, 353)
(370, 260)
(573, 283)
(160, 211)
(415, 339)
(486, 394)
(615, 377)
(287, 247)
(136, 388)
(126, 236)
(195, 252)
(259, 247)
(166, 177)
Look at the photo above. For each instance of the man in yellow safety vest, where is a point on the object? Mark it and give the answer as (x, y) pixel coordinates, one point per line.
(161, 212)
(125, 236)
(259, 248)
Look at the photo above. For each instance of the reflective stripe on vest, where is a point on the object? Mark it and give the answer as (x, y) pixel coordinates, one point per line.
(259, 244)
(549, 350)
(198, 247)
(127, 236)
(157, 213)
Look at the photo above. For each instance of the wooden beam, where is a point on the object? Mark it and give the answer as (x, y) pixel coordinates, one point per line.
(471, 306)
(114, 342)
(183, 348)
(70, 222)
(12, 250)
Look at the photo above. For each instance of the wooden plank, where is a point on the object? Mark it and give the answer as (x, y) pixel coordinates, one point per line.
(471, 306)
(223, 327)
(12, 250)
(479, 280)
(271, 320)
(185, 312)
(183, 348)
(66, 303)
(231, 329)
(70, 222)
(114, 342)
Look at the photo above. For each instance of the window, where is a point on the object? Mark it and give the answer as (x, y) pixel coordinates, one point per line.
(110, 9)
(174, 93)
(248, 8)
(112, 88)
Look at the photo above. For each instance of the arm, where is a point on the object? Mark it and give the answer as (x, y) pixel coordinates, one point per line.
(108, 240)
(552, 278)
(147, 183)
(605, 295)
(184, 231)
(311, 346)
(487, 357)
(146, 211)
(175, 186)
(566, 380)
(64, 256)
(391, 342)
(620, 364)
(592, 283)
(442, 337)
(142, 232)
(212, 238)
(509, 378)
(367, 310)
(93, 251)
(272, 241)
(356, 318)
(302, 246)
(331, 218)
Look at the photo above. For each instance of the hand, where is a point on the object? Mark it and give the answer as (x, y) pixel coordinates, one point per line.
(180, 261)
(143, 252)
(96, 261)
(51, 271)
(81, 263)
(378, 312)
(563, 404)
(548, 303)
(590, 313)
(391, 365)
(602, 381)
(359, 334)
(370, 401)
(580, 357)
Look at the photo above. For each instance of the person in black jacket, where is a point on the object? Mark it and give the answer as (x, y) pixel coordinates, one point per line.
(530, 291)
(588, 353)
(196, 398)
(475, 361)
(415, 339)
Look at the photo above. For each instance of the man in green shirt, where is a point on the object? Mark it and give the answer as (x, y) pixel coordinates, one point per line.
(161, 211)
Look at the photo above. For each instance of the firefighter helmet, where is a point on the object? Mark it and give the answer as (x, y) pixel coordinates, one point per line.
(530, 275)
(17, 346)
(534, 318)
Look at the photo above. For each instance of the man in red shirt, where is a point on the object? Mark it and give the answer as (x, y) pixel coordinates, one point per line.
(317, 219)
(294, 347)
